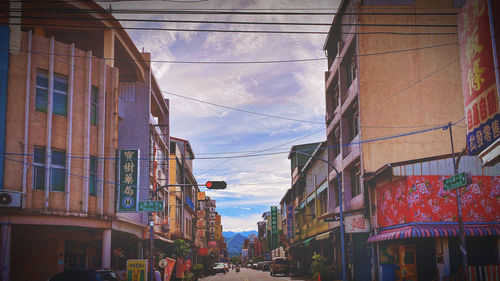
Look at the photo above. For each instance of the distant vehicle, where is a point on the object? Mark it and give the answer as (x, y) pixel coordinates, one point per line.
(280, 266)
(85, 275)
(249, 265)
(260, 265)
(254, 266)
(226, 266)
(266, 266)
(219, 268)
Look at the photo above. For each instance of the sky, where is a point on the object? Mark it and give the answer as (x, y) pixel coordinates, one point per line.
(292, 90)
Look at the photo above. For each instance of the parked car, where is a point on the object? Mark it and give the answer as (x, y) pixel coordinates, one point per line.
(85, 275)
(266, 266)
(219, 268)
(280, 266)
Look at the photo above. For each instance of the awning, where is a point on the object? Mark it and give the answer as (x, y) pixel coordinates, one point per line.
(416, 231)
(158, 237)
(307, 241)
(322, 236)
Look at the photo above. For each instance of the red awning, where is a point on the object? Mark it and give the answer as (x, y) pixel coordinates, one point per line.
(416, 231)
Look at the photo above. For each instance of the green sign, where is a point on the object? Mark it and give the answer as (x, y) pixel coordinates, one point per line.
(455, 181)
(129, 171)
(151, 206)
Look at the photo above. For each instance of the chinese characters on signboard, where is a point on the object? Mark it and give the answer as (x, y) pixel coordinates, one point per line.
(357, 223)
(201, 196)
(129, 170)
(274, 227)
(478, 77)
(137, 270)
(289, 222)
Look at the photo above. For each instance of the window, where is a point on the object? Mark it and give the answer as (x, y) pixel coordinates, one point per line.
(39, 168)
(42, 88)
(322, 201)
(335, 97)
(352, 122)
(60, 93)
(93, 176)
(58, 171)
(336, 141)
(311, 210)
(355, 181)
(351, 69)
(94, 105)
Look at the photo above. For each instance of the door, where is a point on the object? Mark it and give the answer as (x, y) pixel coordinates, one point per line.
(406, 263)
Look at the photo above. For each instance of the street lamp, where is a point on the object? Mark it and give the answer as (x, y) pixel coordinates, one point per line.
(342, 245)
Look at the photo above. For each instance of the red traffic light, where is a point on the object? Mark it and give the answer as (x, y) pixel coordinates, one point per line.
(216, 185)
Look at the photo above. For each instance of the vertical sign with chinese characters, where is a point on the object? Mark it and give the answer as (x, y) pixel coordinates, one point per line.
(478, 77)
(129, 171)
(289, 222)
(274, 227)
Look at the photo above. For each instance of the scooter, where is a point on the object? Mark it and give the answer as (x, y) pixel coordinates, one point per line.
(237, 268)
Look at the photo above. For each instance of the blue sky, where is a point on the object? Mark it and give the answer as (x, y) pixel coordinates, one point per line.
(293, 90)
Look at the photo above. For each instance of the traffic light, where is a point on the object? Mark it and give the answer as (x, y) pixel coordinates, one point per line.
(216, 184)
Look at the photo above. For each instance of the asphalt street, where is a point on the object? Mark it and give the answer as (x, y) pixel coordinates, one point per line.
(248, 275)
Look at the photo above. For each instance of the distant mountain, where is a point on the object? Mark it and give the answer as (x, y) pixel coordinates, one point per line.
(234, 241)
(228, 234)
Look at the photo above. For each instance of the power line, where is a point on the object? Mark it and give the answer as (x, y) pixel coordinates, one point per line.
(86, 27)
(243, 110)
(223, 12)
(234, 22)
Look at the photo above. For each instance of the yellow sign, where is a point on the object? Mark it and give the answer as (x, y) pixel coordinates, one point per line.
(137, 270)
(201, 196)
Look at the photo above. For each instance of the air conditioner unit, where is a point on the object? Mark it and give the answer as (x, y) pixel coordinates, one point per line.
(10, 198)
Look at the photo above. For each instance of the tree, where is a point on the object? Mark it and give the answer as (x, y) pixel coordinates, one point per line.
(180, 248)
(319, 267)
(235, 260)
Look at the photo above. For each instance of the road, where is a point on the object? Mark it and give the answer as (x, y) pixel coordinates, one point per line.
(248, 275)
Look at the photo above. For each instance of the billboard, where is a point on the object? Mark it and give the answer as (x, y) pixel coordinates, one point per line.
(129, 180)
(201, 196)
(478, 77)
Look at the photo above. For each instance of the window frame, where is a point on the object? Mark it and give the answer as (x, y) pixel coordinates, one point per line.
(39, 167)
(352, 121)
(355, 177)
(92, 176)
(58, 93)
(38, 87)
(94, 106)
(56, 167)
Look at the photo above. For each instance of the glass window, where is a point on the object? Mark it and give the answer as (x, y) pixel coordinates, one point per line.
(39, 168)
(42, 88)
(355, 181)
(322, 201)
(352, 120)
(93, 176)
(60, 95)
(58, 171)
(94, 105)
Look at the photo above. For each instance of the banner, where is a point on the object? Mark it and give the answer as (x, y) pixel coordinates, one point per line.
(179, 269)
(167, 273)
(478, 76)
(201, 196)
(129, 180)
(274, 227)
(137, 270)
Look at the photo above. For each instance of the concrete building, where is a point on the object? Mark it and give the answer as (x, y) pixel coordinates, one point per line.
(382, 106)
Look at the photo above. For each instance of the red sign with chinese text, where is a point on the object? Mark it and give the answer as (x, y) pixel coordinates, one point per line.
(423, 199)
(478, 77)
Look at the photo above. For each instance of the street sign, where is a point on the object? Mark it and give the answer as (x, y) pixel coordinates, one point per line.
(151, 206)
(334, 218)
(455, 181)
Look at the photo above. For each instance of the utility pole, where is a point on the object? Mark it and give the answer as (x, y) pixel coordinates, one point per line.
(339, 183)
(463, 246)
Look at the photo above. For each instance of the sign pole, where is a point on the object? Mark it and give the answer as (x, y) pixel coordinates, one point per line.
(463, 246)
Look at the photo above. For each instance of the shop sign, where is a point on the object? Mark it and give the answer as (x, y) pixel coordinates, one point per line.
(274, 227)
(201, 196)
(200, 213)
(200, 232)
(478, 76)
(212, 244)
(200, 223)
(218, 219)
(137, 270)
(203, 252)
(167, 273)
(212, 203)
(289, 222)
(357, 223)
(129, 181)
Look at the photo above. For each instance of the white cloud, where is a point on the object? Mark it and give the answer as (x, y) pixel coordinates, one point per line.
(241, 223)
